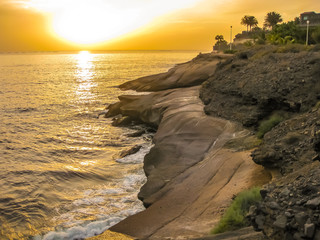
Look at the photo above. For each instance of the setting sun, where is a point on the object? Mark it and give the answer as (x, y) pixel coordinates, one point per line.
(87, 24)
(59, 25)
(96, 21)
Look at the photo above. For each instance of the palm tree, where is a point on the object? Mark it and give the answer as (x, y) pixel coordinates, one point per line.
(272, 19)
(249, 21)
(220, 41)
(244, 21)
(219, 38)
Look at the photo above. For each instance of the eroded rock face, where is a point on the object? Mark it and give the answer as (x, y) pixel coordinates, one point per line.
(187, 74)
(191, 175)
(247, 89)
(183, 137)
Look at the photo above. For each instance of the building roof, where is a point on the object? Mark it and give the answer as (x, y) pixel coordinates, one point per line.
(309, 13)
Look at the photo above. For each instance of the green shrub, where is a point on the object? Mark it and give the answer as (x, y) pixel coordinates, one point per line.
(260, 41)
(235, 216)
(292, 48)
(229, 51)
(315, 35)
(285, 33)
(248, 43)
(267, 125)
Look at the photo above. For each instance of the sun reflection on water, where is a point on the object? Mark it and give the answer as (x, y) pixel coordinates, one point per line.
(84, 75)
(80, 135)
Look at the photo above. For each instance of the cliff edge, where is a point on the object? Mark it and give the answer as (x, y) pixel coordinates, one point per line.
(254, 87)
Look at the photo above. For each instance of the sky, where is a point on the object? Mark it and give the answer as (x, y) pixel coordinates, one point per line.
(59, 25)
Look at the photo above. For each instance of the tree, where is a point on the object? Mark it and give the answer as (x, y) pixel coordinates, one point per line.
(249, 21)
(289, 29)
(219, 38)
(286, 33)
(220, 42)
(272, 19)
(296, 20)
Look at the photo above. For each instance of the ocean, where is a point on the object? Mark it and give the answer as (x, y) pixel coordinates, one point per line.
(61, 175)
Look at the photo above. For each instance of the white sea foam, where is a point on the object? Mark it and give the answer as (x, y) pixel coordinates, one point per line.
(92, 228)
(89, 201)
(110, 191)
(137, 157)
(80, 232)
(109, 205)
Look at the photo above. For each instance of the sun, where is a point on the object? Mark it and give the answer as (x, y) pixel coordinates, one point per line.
(87, 24)
(95, 21)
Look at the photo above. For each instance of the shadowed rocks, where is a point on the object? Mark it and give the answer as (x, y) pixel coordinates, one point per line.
(248, 90)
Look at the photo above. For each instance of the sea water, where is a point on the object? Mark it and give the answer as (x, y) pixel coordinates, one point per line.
(60, 172)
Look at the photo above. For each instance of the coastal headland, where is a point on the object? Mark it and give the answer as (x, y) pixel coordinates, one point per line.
(206, 150)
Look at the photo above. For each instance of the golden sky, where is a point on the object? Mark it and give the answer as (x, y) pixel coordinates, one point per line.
(55, 25)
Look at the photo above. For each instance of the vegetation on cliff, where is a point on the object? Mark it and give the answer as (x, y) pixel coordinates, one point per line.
(235, 216)
(266, 125)
(275, 91)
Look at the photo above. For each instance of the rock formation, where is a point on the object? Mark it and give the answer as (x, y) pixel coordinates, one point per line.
(253, 86)
(191, 174)
(200, 161)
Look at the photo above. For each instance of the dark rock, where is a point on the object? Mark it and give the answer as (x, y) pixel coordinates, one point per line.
(281, 222)
(259, 220)
(131, 151)
(317, 235)
(273, 205)
(313, 203)
(301, 218)
(113, 110)
(285, 192)
(316, 158)
(298, 236)
(309, 230)
(288, 214)
(122, 121)
(252, 210)
(254, 92)
(137, 133)
(263, 193)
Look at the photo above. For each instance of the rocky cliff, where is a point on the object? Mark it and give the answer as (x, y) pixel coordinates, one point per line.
(255, 85)
(192, 173)
(200, 160)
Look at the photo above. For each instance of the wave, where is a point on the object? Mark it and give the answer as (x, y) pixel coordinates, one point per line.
(75, 152)
(25, 110)
(81, 232)
(61, 175)
(127, 202)
(137, 157)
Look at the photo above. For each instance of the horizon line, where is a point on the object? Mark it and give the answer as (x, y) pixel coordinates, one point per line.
(96, 51)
